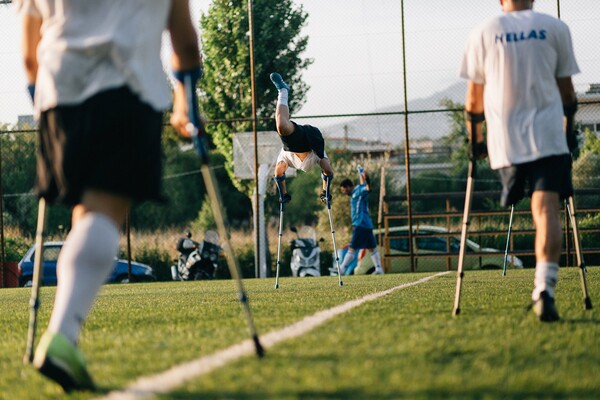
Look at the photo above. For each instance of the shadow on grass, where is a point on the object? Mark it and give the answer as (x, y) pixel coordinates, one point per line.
(491, 393)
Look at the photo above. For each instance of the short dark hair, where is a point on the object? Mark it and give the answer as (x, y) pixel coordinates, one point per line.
(346, 183)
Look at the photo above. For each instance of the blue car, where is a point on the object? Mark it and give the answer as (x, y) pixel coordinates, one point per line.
(139, 272)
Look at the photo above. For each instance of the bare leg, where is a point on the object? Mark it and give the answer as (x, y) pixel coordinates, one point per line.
(282, 119)
(545, 208)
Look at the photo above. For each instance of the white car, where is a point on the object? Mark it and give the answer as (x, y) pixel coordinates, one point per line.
(430, 241)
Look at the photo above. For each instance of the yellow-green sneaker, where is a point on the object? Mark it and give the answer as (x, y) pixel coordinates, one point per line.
(60, 360)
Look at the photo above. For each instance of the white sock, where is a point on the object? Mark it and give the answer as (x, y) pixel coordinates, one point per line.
(282, 97)
(348, 258)
(376, 260)
(85, 261)
(546, 277)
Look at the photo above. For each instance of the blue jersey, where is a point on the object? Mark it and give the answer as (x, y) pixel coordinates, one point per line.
(359, 207)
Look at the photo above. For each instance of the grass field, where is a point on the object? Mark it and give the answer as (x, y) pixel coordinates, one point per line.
(405, 344)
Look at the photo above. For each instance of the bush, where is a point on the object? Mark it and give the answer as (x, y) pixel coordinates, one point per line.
(158, 259)
(15, 248)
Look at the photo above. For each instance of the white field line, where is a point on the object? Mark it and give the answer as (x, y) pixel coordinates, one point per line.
(164, 382)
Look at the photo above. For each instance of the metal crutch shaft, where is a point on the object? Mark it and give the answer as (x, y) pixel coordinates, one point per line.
(38, 274)
(474, 120)
(281, 212)
(510, 220)
(328, 201)
(587, 302)
(463, 237)
(198, 134)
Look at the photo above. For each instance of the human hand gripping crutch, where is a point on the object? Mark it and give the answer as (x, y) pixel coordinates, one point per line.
(476, 150)
(196, 130)
(38, 274)
(279, 180)
(570, 207)
(328, 179)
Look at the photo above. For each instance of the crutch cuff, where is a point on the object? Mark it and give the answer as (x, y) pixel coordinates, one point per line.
(279, 178)
(326, 177)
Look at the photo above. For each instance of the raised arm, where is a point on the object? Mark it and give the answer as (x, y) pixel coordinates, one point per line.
(185, 59)
(569, 101)
(30, 38)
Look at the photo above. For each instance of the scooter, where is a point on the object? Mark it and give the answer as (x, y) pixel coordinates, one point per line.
(306, 254)
(197, 261)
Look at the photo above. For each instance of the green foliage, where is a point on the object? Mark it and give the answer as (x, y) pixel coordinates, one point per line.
(158, 259)
(206, 219)
(15, 247)
(586, 175)
(226, 86)
(591, 142)
(246, 262)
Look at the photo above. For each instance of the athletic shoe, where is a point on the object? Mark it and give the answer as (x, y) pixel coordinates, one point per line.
(545, 309)
(60, 360)
(286, 198)
(278, 82)
(378, 271)
(323, 196)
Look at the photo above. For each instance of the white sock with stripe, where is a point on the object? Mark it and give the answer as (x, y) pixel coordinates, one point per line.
(84, 263)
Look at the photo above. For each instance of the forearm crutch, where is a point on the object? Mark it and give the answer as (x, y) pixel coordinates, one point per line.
(328, 179)
(474, 119)
(279, 181)
(570, 205)
(197, 132)
(38, 274)
(510, 220)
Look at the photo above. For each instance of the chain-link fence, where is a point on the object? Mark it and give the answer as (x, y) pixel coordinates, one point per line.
(377, 81)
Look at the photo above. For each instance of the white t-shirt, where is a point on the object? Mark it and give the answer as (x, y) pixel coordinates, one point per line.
(91, 46)
(292, 160)
(517, 57)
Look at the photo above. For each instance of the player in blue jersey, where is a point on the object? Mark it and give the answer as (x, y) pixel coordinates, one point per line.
(362, 226)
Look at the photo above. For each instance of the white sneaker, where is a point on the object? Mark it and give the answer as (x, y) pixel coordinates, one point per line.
(378, 271)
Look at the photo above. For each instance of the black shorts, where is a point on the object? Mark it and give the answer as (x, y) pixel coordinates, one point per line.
(111, 142)
(549, 174)
(313, 138)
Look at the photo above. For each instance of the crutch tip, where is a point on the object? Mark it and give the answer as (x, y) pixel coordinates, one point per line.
(341, 283)
(260, 352)
(588, 303)
(456, 312)
(277, 286)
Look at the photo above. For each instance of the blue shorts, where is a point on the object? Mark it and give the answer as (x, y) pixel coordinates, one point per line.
(362, 238)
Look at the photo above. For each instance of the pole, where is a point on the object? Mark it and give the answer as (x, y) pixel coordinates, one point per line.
(257, 257)
(406, 149)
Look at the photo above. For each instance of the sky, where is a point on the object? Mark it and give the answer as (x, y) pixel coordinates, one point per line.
(357, 50)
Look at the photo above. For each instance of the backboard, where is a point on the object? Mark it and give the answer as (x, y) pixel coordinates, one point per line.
(269, 146)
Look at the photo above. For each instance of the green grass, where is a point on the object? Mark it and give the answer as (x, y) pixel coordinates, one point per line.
(403, 345)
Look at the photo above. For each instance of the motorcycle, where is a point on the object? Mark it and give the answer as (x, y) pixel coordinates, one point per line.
(306, 254)
(197, 261)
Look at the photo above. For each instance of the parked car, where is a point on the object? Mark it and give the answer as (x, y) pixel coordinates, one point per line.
(139, 272)
(432, 240)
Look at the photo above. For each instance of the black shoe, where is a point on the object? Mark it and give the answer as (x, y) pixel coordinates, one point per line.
(545, 309)
(325, 198)
(286, 198)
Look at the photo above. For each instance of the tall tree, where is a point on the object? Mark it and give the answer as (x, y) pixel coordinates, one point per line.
(226, 86)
